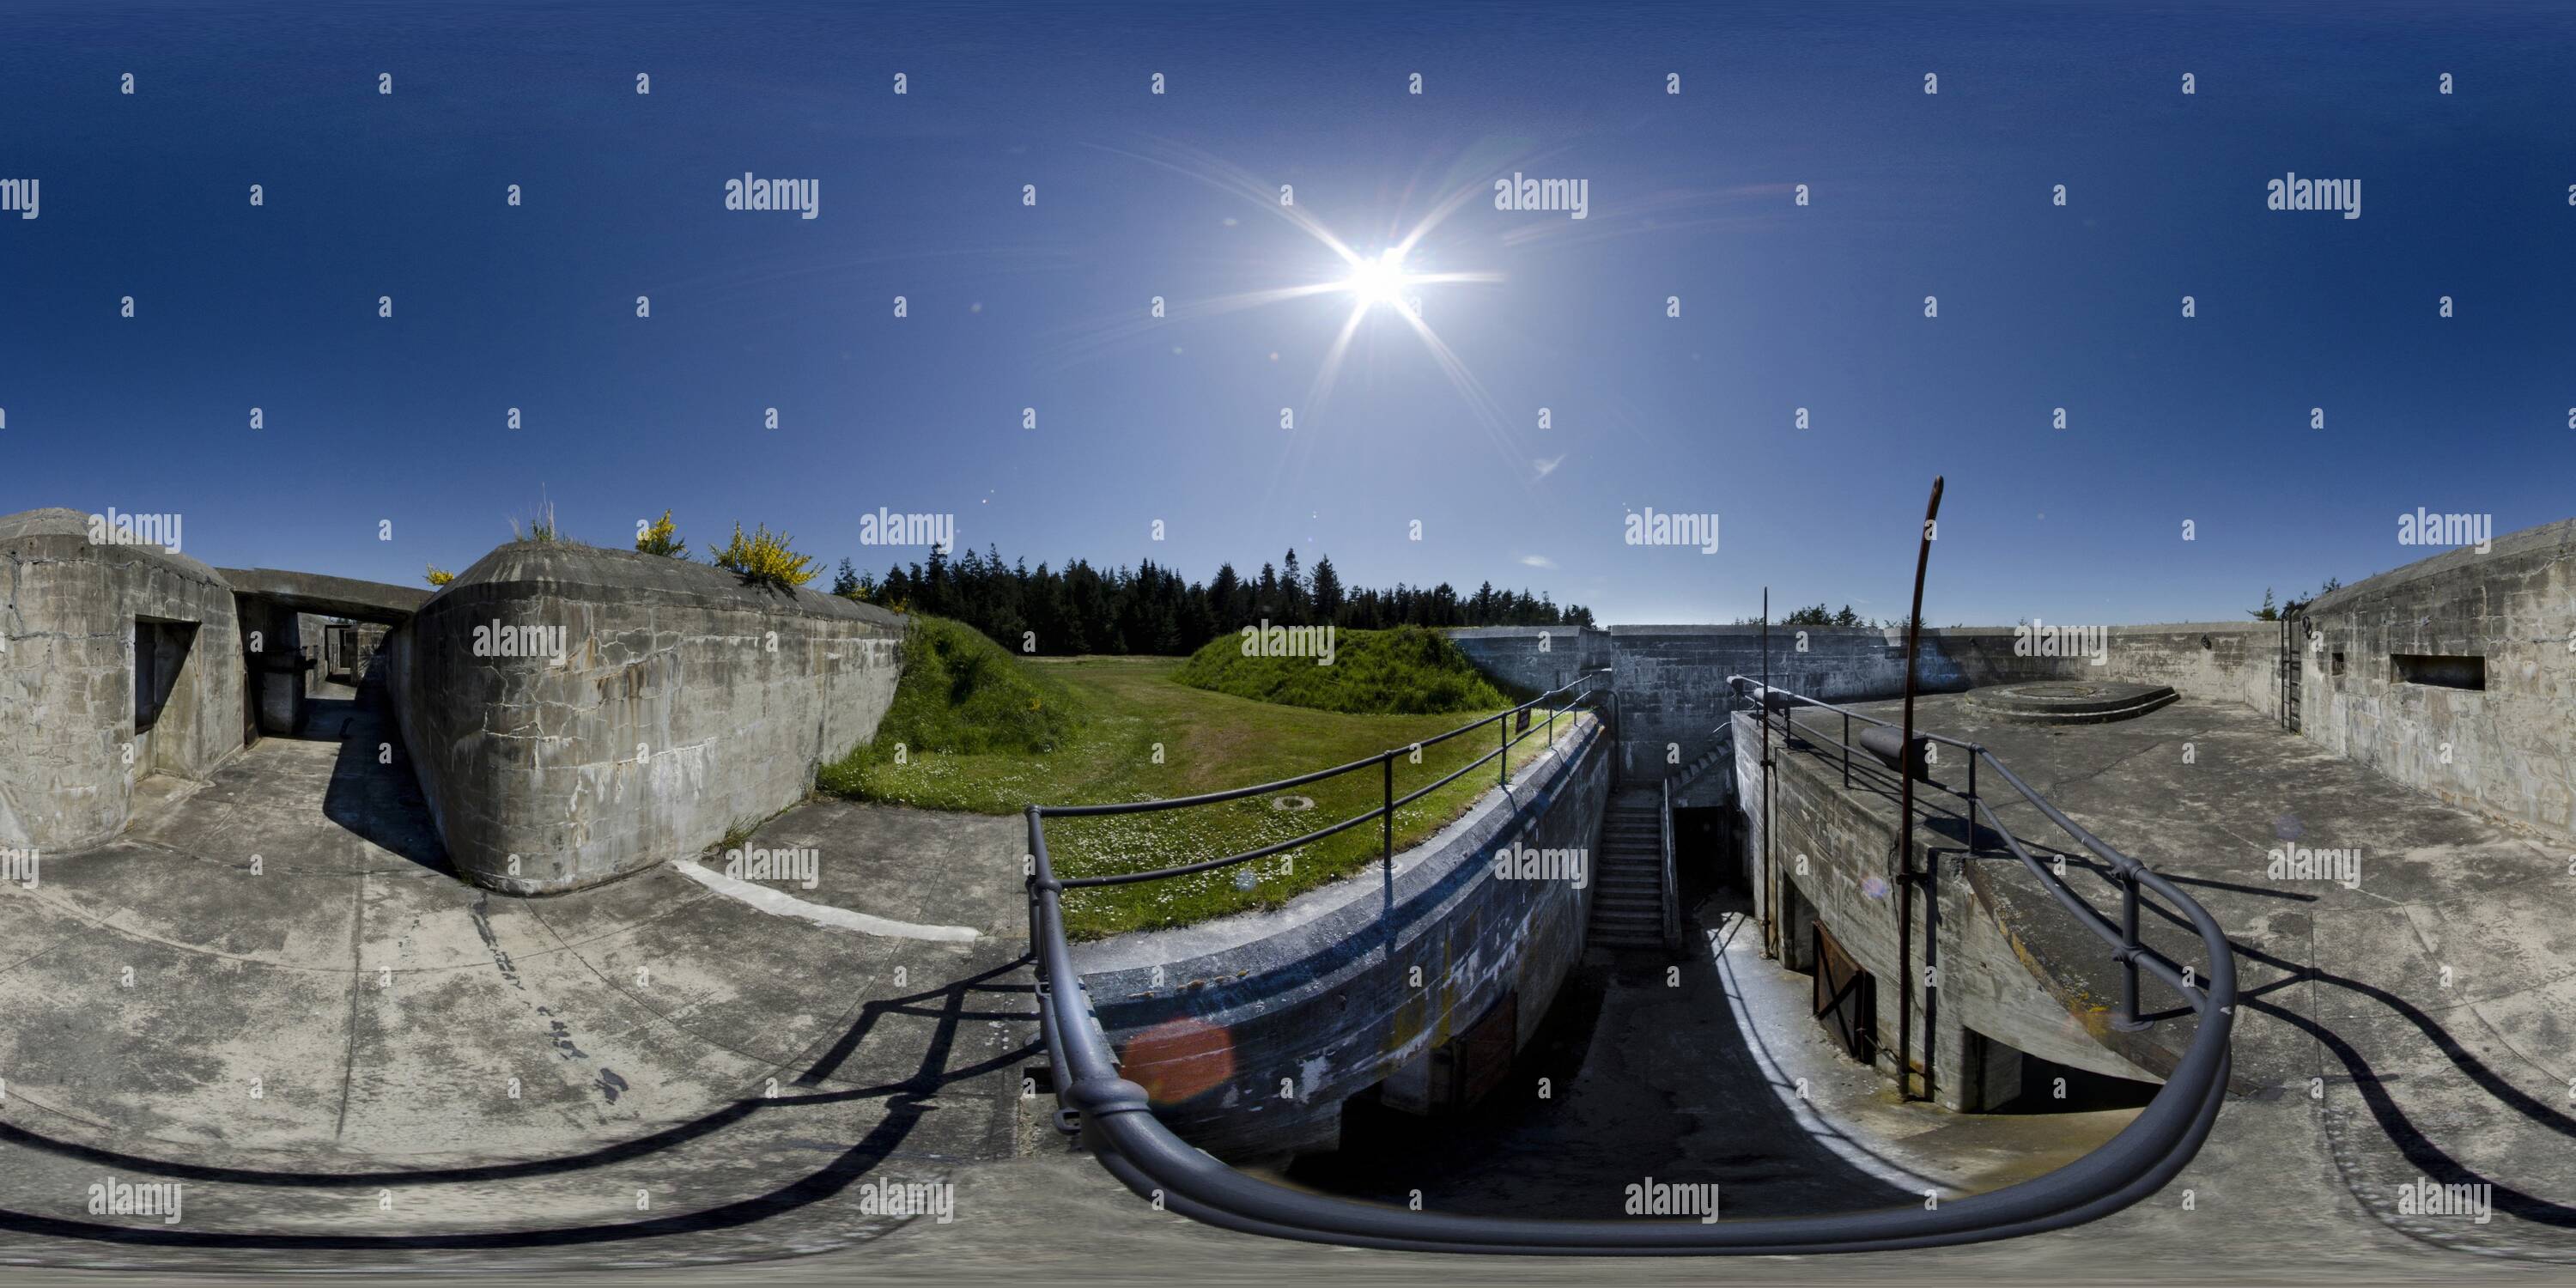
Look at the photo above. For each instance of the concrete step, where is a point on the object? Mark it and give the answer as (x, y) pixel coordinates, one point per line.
(1653, 942)
(1649, 926)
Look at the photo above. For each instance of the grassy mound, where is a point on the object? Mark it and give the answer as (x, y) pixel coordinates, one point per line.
(1405, 671)
(1136, 735)
(961, 694)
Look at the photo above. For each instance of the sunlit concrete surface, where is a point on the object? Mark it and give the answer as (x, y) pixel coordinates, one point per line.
(274, 992)
(291, 921)
(2423, 1014)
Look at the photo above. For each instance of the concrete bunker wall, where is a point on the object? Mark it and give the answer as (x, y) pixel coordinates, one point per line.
(1832, 855)
(72, 615)
(1533, 659)
(2456, 675)
(1672, 696)
(576, 714)
(1324, 995)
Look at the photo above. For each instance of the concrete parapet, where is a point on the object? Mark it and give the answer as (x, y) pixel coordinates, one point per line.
(577, 714)
(1344, 989)
(116, 661)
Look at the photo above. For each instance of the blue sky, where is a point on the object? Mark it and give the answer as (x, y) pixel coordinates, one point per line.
(1011, 306)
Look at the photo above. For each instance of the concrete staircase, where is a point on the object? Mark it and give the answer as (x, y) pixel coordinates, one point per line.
(1627, 902)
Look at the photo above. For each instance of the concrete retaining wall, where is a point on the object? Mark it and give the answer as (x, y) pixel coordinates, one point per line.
(1834, 859)
(575, 714)
(68, 613)
(1215, 1017)
(1533, 659)
(1672, 694)
(2508, 751)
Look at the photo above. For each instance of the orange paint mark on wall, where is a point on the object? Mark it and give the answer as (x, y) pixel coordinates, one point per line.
(1178, 1059)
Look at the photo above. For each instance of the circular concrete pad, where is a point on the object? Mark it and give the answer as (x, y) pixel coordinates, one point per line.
(2071, 701)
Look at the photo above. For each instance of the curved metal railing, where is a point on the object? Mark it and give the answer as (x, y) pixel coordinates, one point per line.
(1116, 1120)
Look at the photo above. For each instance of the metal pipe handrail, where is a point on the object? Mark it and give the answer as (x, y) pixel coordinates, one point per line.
(1671, 892)
(1116, 1119)
(1588, 681)
(1115, 1116)
(1862, 716)
(2127, 949)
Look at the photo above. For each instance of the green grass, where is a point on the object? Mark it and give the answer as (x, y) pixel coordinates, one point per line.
(960, 695)
(1137, 734)
(1405, 671)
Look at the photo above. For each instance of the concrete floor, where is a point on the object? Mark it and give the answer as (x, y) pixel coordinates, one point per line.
(1692, 1071)
(273, 991)
(384, 1008)
(2426, 1015)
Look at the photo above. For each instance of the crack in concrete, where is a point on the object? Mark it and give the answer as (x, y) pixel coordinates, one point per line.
(357, 980)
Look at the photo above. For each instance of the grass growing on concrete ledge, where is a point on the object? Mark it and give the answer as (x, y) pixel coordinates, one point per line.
(960, 695)
(1405, 671)
(1140, 735)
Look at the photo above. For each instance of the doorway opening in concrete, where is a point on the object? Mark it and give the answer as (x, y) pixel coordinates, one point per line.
(1844, 999)
(161, 649)
(1703, 841)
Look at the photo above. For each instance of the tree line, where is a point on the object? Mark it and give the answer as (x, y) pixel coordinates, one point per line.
(1153, 610)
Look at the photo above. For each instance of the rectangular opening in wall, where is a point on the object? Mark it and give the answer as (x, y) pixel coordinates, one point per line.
(1845, 998)
(2338, 664)
(2439, 670)
(147, 687)
(160, 654)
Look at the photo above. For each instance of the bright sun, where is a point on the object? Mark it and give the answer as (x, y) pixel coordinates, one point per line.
(1380, 280)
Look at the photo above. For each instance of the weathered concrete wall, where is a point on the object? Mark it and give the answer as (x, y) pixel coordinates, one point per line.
(312, 640)
(1835, 858)
(1533, 659)
(1336, 993)
(1672, 695)
(273, 642)
(2222, 661)
(2508, 751)
(576, 714)
(67, 677)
